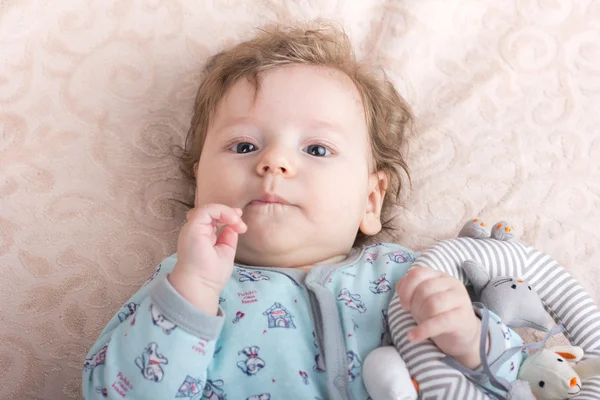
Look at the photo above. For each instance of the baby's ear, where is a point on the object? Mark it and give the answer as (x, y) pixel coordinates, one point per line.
(371, 221)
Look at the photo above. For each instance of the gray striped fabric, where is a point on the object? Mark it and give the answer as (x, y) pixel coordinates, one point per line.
(564, 298)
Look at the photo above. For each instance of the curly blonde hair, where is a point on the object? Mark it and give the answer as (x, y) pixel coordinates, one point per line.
(317, 43)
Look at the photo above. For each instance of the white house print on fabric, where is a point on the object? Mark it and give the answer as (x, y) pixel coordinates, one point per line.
(279, 317)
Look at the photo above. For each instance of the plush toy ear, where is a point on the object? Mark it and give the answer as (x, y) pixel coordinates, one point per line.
(476, 229)
(569, 353)
(476, 274)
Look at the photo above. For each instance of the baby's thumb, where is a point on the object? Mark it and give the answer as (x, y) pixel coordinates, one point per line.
(227, 242)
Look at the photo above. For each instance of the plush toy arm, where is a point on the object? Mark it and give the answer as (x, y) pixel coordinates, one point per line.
(588, 368)
(386, 377)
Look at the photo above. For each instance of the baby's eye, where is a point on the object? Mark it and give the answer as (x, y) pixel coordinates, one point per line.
(317, 150)
(243, 147)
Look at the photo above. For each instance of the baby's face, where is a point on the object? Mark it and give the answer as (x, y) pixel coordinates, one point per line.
(295, 159)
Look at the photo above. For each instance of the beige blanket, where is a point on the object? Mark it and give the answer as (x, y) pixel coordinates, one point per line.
(93, 94)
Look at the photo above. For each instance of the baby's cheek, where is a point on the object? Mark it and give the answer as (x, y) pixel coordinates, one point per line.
(221, 190)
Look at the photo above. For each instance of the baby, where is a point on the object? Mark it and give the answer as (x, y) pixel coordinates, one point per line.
(294, 146)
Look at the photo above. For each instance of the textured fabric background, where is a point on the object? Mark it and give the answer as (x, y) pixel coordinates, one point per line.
(93, 94)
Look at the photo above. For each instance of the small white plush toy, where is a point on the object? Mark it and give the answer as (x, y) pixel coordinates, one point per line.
(550, 375)
(386, 377)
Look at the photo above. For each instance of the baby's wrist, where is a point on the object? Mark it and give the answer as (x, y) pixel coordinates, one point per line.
(472, 359)
(201, 294)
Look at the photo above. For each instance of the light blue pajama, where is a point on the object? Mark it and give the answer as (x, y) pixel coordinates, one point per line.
(279, 334)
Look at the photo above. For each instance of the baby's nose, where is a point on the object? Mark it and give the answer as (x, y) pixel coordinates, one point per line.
(276, 161)
(274, 168)
(573, 382)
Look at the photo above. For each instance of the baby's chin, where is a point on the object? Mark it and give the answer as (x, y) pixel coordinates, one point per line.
(267, 248)
(285, 241)
(292, 250)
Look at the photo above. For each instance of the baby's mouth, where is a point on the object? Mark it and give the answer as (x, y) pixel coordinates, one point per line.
(268, 199)
(260, 202)
(271, 198)
(261, 207)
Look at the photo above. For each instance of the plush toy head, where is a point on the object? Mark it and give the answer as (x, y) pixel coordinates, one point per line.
(550, 375)
(513, 300)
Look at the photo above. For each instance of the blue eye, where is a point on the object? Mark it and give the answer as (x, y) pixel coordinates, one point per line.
(243, 147)
(317, 150)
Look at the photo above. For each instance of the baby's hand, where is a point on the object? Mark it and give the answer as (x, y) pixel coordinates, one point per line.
(442, 308)
(205, 254)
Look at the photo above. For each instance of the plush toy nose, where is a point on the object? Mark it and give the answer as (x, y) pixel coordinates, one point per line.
(573, 382)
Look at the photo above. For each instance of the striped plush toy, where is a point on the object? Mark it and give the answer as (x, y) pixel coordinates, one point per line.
(498, 255)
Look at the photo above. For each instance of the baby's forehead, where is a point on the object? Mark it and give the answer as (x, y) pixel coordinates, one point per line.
(324, 97)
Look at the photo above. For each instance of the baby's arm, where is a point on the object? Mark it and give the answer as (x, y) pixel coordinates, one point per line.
(164, 348)
(160, 350)
(444, 313)
(442, 308)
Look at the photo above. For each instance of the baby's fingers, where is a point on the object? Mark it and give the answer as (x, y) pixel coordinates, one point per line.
(212, 215)
(434, 326)
(227, 241)
(239, 227)
(408, 284)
